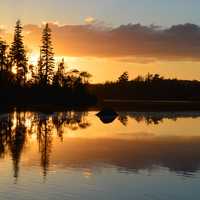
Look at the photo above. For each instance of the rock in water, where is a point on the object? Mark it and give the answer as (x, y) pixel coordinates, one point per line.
(107, 115)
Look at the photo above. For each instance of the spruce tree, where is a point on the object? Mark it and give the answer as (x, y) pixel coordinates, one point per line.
(17, 55)
(46, 63)
(124, 78)
(3, 56)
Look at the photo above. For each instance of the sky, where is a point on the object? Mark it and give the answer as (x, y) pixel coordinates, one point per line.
(113, 12)
(114, 36)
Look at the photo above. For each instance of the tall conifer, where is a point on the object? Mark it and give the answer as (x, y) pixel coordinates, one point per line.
(17, 55)
(46, 63)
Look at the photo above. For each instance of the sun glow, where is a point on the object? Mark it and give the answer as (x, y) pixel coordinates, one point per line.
(33, 58)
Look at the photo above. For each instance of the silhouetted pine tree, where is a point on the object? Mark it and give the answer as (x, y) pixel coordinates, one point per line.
(3, 57)
(124, 78)
(18, 54)
(46, 63)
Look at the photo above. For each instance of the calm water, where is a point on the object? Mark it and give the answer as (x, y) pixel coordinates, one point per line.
(75, 156)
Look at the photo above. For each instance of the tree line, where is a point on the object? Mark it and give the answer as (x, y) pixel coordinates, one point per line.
(147, 87)
(15, 70)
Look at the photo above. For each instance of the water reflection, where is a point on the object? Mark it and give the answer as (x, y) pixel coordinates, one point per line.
(16, 126)
(147, 117)
(155, 117)
(179, 154)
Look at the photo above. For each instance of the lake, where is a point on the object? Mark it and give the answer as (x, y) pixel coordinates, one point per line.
(79, 156)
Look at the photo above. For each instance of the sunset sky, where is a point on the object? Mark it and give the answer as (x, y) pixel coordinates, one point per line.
(109, 37)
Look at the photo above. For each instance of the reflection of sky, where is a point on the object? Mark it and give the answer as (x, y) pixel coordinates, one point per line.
(105, 184)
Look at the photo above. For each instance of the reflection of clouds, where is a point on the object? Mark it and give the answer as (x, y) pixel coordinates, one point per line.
(130, 43)
(180, 155)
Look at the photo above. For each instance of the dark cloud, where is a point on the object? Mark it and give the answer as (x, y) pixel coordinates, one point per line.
(130, 43)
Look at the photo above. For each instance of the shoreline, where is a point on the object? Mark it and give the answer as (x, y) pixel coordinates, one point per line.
(152, 105)
(116, 104)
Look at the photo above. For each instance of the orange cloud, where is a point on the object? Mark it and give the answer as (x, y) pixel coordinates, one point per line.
(128, 43)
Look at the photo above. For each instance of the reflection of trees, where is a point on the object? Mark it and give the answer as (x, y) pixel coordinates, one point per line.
(123, 118)
(5, 130)
(71, 120)
(151, 119)
(47, 125)
(154, 117)
(148, 118)
(45, 142)
(17, 138)
(16, 127)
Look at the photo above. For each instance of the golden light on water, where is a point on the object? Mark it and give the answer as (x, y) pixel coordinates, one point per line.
(33, 137)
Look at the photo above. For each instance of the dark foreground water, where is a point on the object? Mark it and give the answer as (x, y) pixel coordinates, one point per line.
(76, 156)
